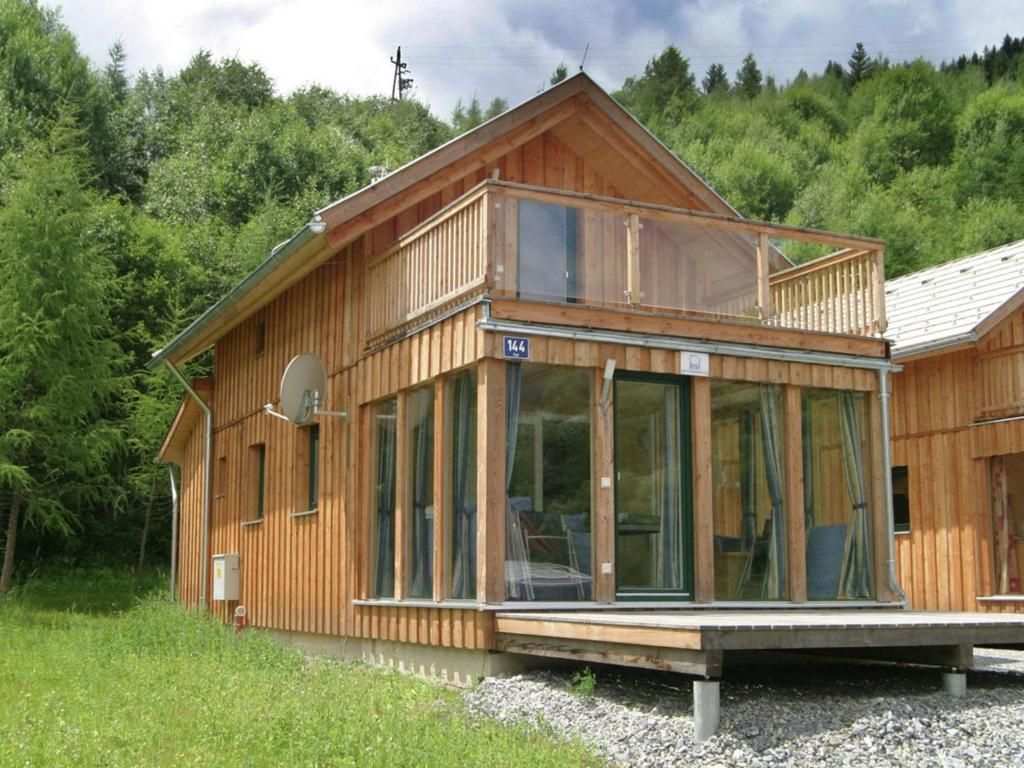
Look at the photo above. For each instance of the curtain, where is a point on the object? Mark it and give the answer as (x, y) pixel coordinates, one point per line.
(1007, 572)
(517, 576)
(671, 538)
(384, 575)
(771, 444)
(855, 573)
(806, 428)
(463, 528)
(422, 402)
(748, 524)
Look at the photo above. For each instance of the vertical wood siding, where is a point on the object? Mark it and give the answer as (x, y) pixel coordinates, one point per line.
(946, 561)
(303, 573)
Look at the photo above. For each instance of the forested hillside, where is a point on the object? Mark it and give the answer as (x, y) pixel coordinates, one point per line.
(129, 203)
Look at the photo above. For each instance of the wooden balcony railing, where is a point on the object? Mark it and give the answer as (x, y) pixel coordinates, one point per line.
(514, 240)
(438, 262)
(840, 293)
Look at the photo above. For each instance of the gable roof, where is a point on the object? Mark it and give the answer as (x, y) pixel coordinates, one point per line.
(344, 220)
(955, 303)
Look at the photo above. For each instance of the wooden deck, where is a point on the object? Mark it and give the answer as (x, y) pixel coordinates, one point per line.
(697, 642)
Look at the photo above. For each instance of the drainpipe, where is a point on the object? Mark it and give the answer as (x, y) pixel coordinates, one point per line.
(207, 476)
(174, 529)
(883, 395)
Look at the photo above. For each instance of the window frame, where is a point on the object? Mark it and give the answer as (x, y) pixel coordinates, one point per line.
(257, 482)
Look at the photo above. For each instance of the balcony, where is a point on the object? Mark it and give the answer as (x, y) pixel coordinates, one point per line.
(510, 240)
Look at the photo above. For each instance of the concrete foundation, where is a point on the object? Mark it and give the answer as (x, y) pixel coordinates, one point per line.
(955, 684)
(706, 708)
(455, 666)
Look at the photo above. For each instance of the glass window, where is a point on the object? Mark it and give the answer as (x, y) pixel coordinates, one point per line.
(748, 503)
(313, 490)
(382, 504)
(462, 488)
(548, 478)
(1007, 489)
(836, 495)
(547, 251)
(419, 442)
(901, 499)
(257, 480)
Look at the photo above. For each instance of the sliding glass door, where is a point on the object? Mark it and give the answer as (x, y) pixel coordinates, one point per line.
(653, 520)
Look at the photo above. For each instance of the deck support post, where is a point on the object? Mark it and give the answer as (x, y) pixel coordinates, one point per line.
(706, 709)
(954, 683)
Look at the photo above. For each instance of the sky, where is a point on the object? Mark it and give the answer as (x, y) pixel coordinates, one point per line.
(460, 48)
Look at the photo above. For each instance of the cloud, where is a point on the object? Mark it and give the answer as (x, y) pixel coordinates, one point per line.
(508, 48)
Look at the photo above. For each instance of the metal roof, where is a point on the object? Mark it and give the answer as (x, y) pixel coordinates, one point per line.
(944, 306)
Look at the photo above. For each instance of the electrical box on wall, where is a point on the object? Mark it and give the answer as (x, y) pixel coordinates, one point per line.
(225, 577)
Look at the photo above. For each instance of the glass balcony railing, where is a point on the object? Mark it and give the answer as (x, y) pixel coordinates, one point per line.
(528, 243)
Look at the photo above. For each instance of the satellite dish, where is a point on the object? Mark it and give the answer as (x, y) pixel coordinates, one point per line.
(303, 389)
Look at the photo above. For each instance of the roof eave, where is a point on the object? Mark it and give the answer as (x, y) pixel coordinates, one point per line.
(180, 348)
(931, 348)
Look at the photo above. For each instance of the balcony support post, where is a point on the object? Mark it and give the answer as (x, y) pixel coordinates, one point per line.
(764, 291)
(633, 258)
(878, 290)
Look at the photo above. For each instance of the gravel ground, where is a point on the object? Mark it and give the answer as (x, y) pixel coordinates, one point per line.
(821, 715)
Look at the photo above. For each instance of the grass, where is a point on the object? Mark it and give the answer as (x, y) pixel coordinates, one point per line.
(92, 675)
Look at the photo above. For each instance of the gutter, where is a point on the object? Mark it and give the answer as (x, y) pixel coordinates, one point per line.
(931, 347)
(207, 478)
(680, 344)
(229, 302)
(890, 523)
(174, 530)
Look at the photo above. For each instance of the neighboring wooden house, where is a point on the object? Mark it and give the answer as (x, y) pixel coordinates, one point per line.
(958, 431)
(576, 382)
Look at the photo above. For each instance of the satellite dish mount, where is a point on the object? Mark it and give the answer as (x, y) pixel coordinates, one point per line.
(303, 392)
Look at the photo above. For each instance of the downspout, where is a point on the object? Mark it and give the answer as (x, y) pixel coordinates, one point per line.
(890, 525)
(174, 530)
(207, 476)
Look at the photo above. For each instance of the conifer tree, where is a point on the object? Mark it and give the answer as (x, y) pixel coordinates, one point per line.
(860, 64)
(58, 364)
(834, 69)
(748, 77)
(561, 72)
(715, 80)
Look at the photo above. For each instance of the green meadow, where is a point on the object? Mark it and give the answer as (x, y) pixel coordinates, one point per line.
(92, 674)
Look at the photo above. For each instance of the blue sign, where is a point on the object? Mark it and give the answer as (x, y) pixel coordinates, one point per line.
(516, 348)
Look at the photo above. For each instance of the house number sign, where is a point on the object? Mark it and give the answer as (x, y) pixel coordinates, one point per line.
(516, 348)
(694, 364)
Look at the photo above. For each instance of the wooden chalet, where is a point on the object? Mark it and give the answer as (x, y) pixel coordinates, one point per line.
(590, 412)
(958, 431)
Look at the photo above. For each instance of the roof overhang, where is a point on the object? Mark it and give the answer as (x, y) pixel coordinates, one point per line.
(286, 265)
(187, 416)
(962, 340)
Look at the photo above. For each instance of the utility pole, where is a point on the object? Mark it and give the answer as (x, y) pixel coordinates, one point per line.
(400, 83)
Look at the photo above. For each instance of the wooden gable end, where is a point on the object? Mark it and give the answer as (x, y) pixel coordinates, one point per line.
(1000, 368)
(185, 420)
